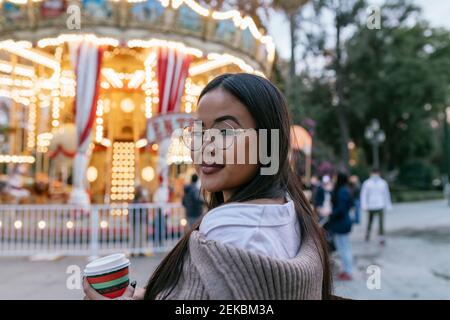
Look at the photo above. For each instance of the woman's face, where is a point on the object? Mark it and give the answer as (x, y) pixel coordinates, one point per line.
(220, 110)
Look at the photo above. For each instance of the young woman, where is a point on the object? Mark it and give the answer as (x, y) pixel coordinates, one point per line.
(260, 238)
(340, 224)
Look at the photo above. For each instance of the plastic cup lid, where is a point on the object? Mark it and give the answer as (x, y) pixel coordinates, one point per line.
(106, 264)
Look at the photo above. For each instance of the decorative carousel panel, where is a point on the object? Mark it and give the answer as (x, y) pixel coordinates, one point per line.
(14, 15)
(261, 52)
(189, 20)
(248, 41)
(147, 12)
(52, 12)
(98, 10)
(225, 31)
(51, 9)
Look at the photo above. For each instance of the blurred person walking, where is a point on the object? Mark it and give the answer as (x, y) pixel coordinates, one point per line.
(193, 201)
(314, 185)
(355, 189)
(322, 198)
(340, 224)
(323, 207)
(375, 198)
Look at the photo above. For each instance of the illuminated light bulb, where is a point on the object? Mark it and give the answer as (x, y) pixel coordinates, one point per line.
(127, 105)
(91, 174)
(104, 224)
(69, 225)
(18, 224)
(41, 224)
(183, 222)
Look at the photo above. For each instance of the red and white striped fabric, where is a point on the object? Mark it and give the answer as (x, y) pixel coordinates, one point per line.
(87, 74)
(172, 71)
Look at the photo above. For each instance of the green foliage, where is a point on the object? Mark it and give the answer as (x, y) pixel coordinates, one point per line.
(417, 174)
(399, 75)
(416, 195)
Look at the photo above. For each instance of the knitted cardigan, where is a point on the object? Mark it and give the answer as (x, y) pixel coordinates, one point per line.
(217, 271)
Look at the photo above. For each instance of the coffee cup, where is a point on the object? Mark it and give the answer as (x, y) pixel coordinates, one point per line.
(109, 275)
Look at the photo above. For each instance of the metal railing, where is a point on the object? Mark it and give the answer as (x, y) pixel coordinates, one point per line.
(93, 230)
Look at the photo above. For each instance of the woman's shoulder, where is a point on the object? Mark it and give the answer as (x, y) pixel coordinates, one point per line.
(271, 229)
(250, 213)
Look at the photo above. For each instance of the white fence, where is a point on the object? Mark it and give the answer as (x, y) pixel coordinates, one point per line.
(91, 231)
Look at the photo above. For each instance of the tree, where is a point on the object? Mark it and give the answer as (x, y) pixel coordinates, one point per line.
(345, 14)
(292, 10)
(399, 75)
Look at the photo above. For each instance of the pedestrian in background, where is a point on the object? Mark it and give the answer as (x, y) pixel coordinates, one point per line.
(376, 198)
(323, 208)
(340, 224)
(322, 198)
(193, 201)
(355, 189)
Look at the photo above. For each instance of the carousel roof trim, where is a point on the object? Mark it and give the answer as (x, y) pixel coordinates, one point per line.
(138, 43)
(239, 20)
(216, 59)
(56, 41)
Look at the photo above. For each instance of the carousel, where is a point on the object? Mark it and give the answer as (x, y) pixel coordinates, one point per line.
(91, 92)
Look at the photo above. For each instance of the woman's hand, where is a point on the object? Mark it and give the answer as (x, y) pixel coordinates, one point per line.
(130, 294)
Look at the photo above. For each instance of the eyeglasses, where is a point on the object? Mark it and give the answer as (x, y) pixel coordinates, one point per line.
(222, 137)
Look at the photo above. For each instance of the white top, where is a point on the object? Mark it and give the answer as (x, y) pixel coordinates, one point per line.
(375, 194)
(269, 229)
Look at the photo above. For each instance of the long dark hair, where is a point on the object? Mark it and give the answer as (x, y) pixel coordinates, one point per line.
(341, 181)
(268, 108)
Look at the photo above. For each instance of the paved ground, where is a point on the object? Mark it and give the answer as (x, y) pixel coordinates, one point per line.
(415, 263)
